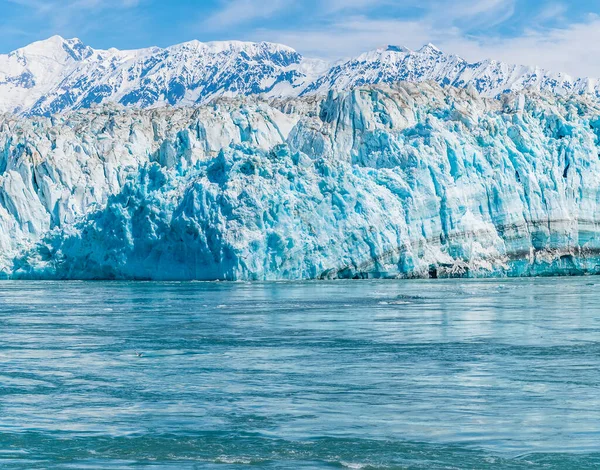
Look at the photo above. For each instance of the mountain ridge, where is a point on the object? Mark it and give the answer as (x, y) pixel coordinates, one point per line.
(57, 74)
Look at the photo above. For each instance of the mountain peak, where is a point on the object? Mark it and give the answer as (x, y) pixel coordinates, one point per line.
(55, 47)
(429, 49)
(43, 45)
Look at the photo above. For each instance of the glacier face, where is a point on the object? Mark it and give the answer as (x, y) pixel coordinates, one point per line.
(57, 75)
(381, 181)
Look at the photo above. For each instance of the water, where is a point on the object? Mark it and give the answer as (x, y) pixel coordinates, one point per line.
(357, 374)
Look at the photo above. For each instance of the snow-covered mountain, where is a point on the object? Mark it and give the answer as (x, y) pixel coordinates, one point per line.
(59, 74)
(489, 77)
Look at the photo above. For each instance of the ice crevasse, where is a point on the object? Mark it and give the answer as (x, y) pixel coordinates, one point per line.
(408, 180)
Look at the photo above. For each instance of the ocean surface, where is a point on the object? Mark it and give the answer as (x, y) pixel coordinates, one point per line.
(346, 374)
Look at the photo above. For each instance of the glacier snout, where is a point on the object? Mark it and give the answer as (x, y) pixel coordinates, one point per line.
(406, 181)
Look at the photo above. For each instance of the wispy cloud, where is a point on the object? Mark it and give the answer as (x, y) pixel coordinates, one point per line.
(561, 49)
(331, 6)
(470, 8)
(471, 14)
(335, 35)
(49, 6)
(60, 13)
(236, 12)
(552, 11)
(351, 35)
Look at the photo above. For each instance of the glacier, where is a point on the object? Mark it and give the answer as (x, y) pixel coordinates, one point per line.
(380, 181)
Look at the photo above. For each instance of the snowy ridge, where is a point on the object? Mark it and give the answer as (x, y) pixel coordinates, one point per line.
(57, 75)
(488, 77)
(401, 181)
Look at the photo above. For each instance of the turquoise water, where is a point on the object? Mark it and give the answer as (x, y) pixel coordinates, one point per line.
(357, 374)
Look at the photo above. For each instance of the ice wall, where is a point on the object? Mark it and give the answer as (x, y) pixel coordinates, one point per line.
(412, 180)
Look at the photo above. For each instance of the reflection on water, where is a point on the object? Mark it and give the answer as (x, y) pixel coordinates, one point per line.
(358, 374)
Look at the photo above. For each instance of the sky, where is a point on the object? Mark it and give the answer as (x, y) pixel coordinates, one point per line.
(557, 35)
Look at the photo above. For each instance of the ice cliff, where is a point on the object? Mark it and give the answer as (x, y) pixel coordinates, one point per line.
(401, 181)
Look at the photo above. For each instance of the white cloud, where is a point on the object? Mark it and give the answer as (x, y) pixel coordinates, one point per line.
(551, 11)
(469, 8)
(61, 12)
(43, 7)
(572, 49)
(235, 12)
(351, 36)
(347, 27)
(330, 6)
(68, 17)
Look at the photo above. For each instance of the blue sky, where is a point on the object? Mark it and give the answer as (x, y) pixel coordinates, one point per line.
(554, 34)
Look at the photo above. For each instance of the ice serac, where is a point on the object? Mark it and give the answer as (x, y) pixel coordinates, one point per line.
(409, 180)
